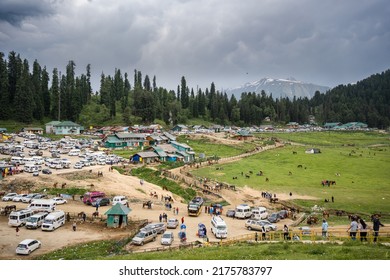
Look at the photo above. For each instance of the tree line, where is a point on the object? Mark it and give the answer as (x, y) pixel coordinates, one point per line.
(27, 95)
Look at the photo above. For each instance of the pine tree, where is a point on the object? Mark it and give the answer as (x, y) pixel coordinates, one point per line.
(55, 95)
(5, 110)
(24, 96)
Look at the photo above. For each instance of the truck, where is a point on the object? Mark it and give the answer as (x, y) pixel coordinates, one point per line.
(194, 207)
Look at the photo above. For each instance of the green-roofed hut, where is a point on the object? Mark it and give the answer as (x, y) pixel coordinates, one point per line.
(117, 216)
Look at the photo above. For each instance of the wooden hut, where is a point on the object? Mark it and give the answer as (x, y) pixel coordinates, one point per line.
(117, 216)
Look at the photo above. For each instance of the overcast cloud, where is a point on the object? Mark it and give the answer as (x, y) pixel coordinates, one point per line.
(327, 42)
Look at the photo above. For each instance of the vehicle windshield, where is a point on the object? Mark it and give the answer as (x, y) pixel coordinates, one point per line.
(22, 246)
(221, 227)
(140, 234)
(32, 219)
(166, 235)
(48, 222)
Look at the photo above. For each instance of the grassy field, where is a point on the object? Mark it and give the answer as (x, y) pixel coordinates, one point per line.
(362, 187)
(112, 250)
(211, 149)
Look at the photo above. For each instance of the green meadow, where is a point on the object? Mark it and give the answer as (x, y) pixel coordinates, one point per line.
(362, 161)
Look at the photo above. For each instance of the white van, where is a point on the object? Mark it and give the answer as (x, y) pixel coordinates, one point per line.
(30, 168)
(38, 160)
(42, 205)
(243, 211)
(29, 161)
(218, 227)
(19, 218)
(259, 213)
(53, 220)
(119, 199)
(74, 152)
(17, 160)
(36, 220)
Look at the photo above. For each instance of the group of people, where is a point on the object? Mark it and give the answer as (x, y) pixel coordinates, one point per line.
(357, 225)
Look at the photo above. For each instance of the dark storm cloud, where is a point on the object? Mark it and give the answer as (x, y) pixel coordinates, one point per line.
(15, 11)
(325, 42)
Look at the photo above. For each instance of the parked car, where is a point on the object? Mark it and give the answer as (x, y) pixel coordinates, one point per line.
(119, 199)
(258, 224)
(36, 173)
(9, 196)
(29, 198)
(274, 217)
(158, 227)
(78, 165)
(27, 246)
(18, 198)
(59, 200)
(144, 236)
(167, 238)
(104, 201)
(173, 223)
(46, 171)
(40, 196)
(283, 214)
(230, 213)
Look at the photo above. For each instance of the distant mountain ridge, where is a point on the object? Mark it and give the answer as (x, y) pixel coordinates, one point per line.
(280, 88)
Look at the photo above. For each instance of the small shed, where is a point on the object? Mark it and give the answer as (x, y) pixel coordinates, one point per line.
(117, 216)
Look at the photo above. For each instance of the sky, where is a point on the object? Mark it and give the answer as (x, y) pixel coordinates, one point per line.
(228, 42)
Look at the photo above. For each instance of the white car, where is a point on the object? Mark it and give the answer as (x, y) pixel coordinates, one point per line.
(18, 198)
(167, 238)
(78, 165)
(9, 196)
(27, 246)
(59, 200)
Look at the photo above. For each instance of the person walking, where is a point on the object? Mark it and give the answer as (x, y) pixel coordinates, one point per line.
(17, 231)
(376, 224)
(263, 231)
(74, 226)
(363, 230)
(285, 232)
(353, 228)
(182, 220)
(160, 218)
(324, 228)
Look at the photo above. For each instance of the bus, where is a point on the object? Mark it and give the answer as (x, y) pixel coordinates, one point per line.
(19, 218)
(53, 220)
(90, 197)
(42, 205)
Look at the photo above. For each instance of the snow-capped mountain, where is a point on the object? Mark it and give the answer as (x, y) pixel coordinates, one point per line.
(279, 88)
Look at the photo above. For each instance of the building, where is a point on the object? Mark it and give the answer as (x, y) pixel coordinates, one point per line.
(67, 127)
(33, 130)
(50, 127)
(144, 157)
(117, 216)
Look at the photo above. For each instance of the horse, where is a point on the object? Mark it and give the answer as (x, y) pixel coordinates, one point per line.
(247, 176)
(294, 152)
(299, 166)
(63, 185)
(266, 179)
(165, 188)
(10, 208)
(95, 214)
(325, 214)
(80, 215)
(55, 185)
(147, 204)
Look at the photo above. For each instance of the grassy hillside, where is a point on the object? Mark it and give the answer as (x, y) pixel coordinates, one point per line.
(363, 184)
